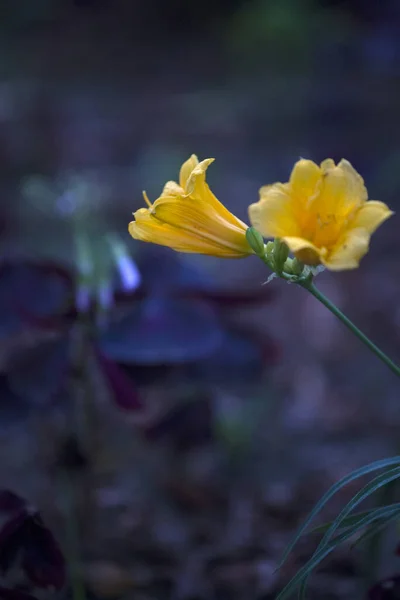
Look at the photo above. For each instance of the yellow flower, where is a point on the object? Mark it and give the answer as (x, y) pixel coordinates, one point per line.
(187, 217)
(322, 214)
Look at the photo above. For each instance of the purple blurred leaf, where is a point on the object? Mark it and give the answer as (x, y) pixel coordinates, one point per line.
(33, 292)
(163, 269)
(121, 385)
(44, 291)
(162, 331)
(7, 594)
(240, 357)
(42, 560)
(144, 375)
(37, 374)
(10, 539)
(10, 502)
(25, 537)
(219, 295)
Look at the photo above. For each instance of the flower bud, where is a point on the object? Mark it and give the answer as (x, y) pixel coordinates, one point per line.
(255, 241)
(281, 252)
(269, 250)
(288, 266)
(297, 267)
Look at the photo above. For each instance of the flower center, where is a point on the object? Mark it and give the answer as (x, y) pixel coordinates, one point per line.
(324, 230)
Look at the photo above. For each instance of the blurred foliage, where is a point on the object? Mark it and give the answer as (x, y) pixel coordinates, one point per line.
(23, 13)
(285, 34)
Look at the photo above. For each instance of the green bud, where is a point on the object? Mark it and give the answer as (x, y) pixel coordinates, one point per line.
(255, 241)
(269, 250)
(281, 252)
(297, 267)
(269, 254)
(288, 266)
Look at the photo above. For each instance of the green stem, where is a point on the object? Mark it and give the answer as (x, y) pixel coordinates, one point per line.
(72, 539)
(308, 285)
(387, 493)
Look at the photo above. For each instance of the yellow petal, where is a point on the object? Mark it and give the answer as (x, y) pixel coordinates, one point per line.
(146, 228)
(333, 195)
(191, 219)
(171, 188)
(304, 179)
(272, 215)
(327, 165)
(263, 191)
(202, 220)
(323, 214)
(197, 179)
(186, 170)
(371, 215)
(303, 250)
(196, 187)
(349, 250)
(342, 190)
(354, 180)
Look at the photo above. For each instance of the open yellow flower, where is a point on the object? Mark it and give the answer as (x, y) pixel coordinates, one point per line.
(187, 217)
(322, 214)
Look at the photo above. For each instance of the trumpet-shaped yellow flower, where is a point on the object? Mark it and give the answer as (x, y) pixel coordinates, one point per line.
(322, 214)
(187, 217)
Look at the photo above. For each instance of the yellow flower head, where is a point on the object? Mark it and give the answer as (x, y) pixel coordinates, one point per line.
(187, 217)
(322, 214)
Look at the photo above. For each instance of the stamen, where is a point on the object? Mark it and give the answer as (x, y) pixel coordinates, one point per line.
(149, 204)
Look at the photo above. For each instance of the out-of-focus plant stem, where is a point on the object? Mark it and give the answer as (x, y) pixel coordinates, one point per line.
(72, 537)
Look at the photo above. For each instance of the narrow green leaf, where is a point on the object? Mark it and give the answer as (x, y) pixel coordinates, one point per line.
(389, 513)
(375, 466)
(377, 527)
(303, 589)
(366, 491)
(319, 555)
(347, 521)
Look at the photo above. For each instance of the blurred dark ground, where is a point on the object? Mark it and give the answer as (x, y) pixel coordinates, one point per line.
(193, 419)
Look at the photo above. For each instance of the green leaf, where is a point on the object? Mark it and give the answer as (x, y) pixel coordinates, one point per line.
(379, 514)
(366, 491)
(389, 513)
(375, 466)
(347, 521)
(375, 528)
(319, 555)
(302, 589)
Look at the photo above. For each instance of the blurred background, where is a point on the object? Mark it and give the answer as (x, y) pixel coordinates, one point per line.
(172, 418)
